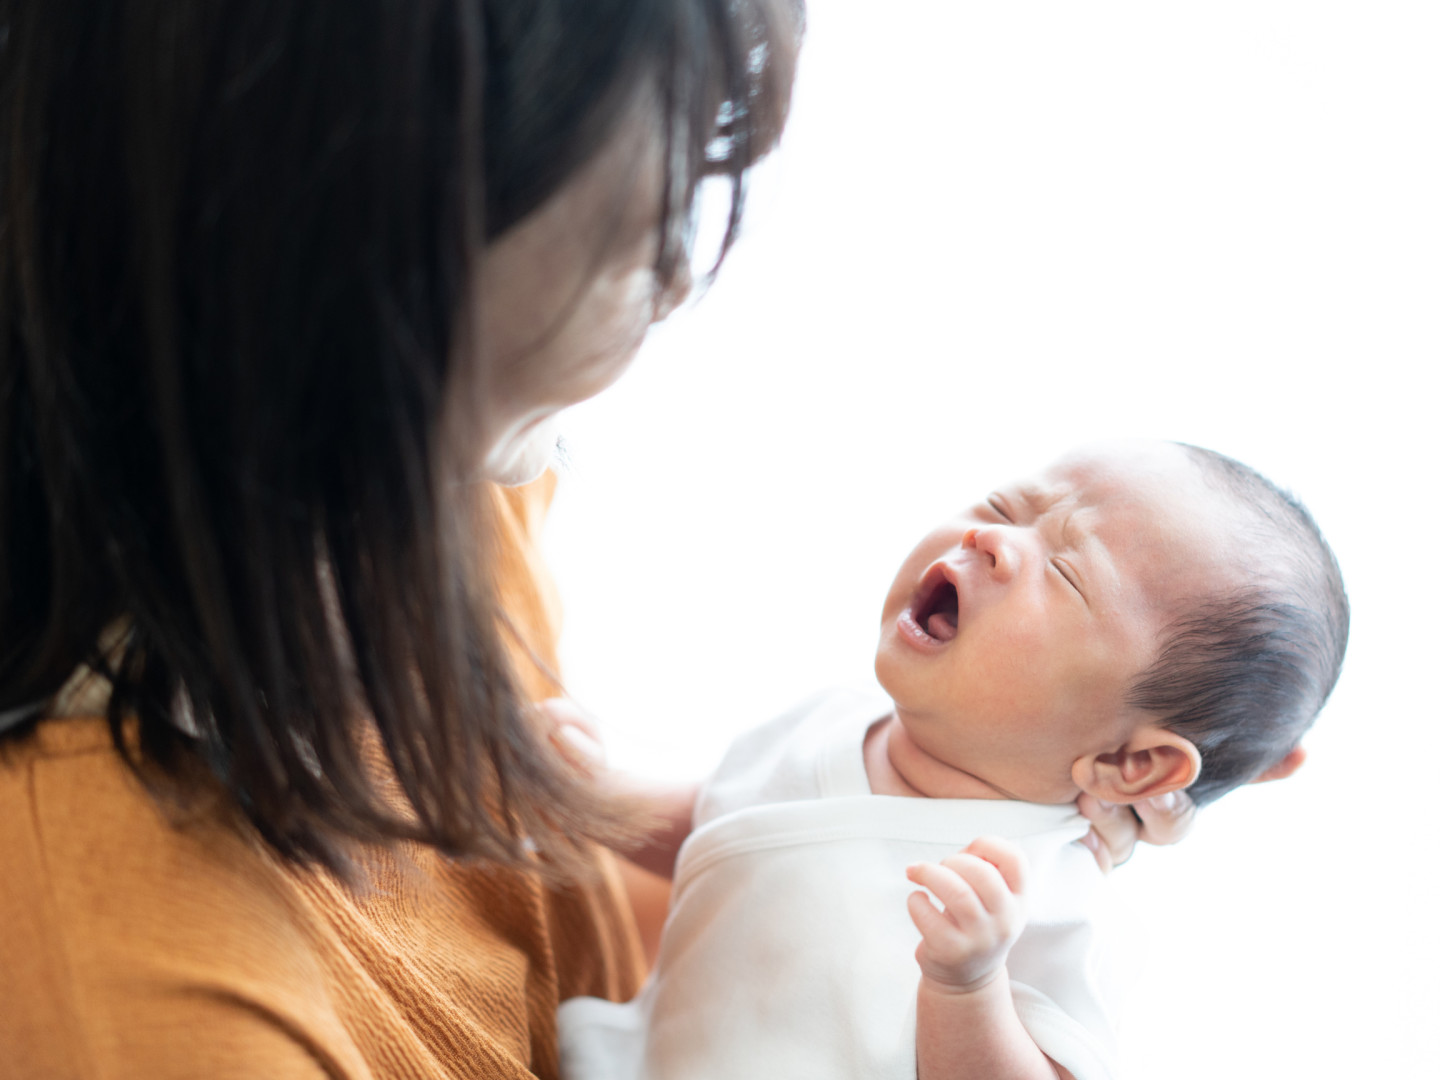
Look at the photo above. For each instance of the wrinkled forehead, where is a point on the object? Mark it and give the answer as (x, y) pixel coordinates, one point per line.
(1111, 477)
(1121, 471)
(1147, 506)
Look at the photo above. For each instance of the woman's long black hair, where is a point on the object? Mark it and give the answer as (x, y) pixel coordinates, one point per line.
(235, 240)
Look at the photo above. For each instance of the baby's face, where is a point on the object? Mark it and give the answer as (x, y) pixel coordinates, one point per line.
(1013, 632)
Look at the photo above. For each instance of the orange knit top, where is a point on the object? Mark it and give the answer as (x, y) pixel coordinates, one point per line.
(133, 946)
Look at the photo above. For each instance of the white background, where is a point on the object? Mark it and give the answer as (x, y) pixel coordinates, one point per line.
(995, 231)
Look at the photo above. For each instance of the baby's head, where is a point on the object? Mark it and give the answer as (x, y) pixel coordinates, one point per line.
(1139, 618)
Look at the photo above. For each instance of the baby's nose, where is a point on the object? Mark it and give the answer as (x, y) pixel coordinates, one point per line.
(995, 545)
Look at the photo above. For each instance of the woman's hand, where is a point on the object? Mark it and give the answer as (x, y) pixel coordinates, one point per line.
(574, 735)
(667, 807)
(1115, 828)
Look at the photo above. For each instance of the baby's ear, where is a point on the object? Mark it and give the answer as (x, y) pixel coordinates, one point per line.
(1284, 767)
(1152, 762)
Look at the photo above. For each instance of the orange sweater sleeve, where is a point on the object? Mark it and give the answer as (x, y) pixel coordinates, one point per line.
(138, 945)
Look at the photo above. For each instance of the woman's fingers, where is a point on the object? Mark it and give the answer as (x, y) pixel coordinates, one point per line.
(573, 733)
(1097, 848)
(1113, 833)
(1115, 828)
(1166, 819)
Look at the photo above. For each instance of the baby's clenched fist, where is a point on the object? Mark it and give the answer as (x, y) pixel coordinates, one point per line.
(982, 889)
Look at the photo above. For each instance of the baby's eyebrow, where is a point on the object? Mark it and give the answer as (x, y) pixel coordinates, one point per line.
(1036, 498)
(1065, 540)
(1077, 535)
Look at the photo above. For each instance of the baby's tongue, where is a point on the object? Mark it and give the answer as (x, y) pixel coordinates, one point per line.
(941, 626)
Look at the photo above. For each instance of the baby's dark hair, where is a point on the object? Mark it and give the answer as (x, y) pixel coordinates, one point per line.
(1243, 675)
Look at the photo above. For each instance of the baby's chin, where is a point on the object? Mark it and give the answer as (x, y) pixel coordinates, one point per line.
(888, 669)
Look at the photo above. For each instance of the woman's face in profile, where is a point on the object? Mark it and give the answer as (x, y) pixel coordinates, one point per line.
(565, 297)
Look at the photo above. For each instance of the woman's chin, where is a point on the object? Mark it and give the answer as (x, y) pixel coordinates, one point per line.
(523, 459)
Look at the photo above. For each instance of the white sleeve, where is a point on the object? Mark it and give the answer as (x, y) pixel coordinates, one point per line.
(1064, 969)
(1062, 1038)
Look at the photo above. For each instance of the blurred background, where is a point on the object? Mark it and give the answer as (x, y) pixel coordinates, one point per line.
(996, 231)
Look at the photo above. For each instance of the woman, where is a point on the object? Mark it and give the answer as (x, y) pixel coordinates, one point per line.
(278, 284)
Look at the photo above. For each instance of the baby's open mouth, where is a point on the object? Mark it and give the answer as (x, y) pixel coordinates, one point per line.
(937, 608)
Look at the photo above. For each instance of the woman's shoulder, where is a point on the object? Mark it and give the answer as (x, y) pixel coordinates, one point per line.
(90, 825)
(152, 939)
(122, 913)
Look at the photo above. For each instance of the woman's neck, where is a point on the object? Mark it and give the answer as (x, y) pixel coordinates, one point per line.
(895, 765)
(87, 692)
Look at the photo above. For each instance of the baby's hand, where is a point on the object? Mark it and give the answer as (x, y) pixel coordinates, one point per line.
(983, 889)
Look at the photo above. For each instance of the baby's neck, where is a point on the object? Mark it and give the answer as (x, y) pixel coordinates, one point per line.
(894, 765)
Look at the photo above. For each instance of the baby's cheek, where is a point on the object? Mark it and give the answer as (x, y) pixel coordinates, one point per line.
(1024, 640)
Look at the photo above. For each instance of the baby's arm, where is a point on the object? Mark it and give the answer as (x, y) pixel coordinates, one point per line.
(966, 1024)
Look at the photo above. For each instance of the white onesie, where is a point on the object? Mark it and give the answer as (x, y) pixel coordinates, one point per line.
(788, 951)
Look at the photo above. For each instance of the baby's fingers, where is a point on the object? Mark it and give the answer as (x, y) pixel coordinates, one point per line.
(964, 946)
(985, 879)
(934, 927)
(962, 907)
(1008, 859)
